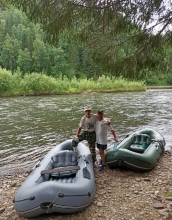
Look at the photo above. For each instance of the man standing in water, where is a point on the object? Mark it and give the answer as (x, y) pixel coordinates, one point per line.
(102, 128)
(87, 123)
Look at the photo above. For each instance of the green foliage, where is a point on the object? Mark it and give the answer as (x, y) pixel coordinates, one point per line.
(23, 47)
(9, 53)
(156, 80)
(22, 44)
(63, 84)
(169, 79)
(74, 83)
(6, 82)
(86, 85)
(152, 80)
(41, 84)
(17, 78)
(38, 84)
(24, 61)
(121, 35)
(104, 82)
(89, 16)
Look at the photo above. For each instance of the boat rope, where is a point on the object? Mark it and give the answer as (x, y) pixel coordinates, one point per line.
(48, 207)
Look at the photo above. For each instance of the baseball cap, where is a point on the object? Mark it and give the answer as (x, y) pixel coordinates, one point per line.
(100, 111)
(87, 108)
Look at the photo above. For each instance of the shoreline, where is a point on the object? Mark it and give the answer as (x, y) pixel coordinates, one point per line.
(159, 87)
(148, 88)
(120, 195)
(70, 93)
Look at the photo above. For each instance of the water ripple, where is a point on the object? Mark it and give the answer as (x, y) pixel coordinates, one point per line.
(31, 126)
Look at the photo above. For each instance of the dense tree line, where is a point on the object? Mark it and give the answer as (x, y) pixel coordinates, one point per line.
(106, 26)
(23, 46)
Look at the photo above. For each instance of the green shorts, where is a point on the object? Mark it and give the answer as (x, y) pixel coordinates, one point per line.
(85, 135)
(91, 138)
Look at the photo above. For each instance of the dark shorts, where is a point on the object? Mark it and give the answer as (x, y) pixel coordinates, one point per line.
(102, 146)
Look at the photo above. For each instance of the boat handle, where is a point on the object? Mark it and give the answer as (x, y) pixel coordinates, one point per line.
(36, 165)
(46, 205)
(86, 161)
(157, 146)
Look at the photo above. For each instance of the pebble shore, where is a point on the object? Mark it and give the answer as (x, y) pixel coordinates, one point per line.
(120, 195)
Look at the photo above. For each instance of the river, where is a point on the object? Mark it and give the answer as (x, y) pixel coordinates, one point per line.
(31, 126)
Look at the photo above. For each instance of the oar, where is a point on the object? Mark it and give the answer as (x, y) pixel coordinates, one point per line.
(86, 172)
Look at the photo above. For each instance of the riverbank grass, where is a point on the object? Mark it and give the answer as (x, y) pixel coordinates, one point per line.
(41, 84)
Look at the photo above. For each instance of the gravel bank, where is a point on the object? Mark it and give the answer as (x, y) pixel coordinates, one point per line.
(120, 195)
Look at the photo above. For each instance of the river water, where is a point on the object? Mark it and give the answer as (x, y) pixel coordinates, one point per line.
(31, 126)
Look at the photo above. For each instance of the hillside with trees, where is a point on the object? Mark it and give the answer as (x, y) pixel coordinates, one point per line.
(84, 52)
(127, 38)
(23, 46)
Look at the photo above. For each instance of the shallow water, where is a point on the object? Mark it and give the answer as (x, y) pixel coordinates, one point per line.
(31, 126)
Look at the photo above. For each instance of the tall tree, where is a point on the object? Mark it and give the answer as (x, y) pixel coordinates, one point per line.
(25, 61)
(39, 55)
(9, 53)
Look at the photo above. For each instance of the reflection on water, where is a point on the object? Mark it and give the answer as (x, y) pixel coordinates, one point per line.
(31, 126)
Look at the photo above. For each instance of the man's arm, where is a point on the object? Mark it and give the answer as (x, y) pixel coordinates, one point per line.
(108, 121)
(114, 135)
(78, 131)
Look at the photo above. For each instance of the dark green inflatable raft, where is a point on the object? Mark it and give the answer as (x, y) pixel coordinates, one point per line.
(139, 150)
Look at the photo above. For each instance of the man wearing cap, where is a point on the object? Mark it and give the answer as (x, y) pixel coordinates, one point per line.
(87, 123)
(102, 128)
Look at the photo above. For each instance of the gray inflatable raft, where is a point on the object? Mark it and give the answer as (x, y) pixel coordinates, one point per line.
(63, 181)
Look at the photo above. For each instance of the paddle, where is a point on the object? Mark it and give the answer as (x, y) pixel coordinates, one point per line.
(86, 172)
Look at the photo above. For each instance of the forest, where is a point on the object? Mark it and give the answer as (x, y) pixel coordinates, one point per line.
(24, 51)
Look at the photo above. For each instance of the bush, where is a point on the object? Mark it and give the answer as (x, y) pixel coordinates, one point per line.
(87, 84)
(39, 84)
(105, 82)
(169, 80)
(5, 80)
(36, 83)
(156, 80)
(153, 81)
(62, 84)
(16, 79)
